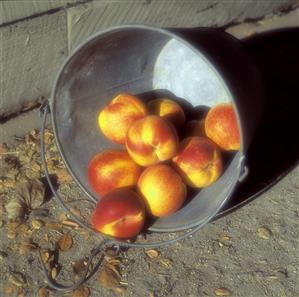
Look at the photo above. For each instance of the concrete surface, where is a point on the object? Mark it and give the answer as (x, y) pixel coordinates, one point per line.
(37, 35)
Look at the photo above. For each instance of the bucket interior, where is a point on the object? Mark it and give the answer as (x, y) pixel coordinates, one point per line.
(136, 60)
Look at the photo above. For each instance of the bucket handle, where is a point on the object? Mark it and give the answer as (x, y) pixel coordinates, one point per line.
(108, 240)
(244, 170)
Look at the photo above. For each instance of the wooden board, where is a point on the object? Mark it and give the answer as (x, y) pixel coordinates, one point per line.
(31, 53)
(85, 20)
(13, 10)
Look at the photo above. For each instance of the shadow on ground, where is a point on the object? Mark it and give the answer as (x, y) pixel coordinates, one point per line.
(274, 150)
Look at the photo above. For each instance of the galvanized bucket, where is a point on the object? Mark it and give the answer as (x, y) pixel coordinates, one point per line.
(199, 67)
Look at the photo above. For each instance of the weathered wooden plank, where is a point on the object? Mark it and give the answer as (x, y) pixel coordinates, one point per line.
(85, 20)
(271, 23)
(18, 9)
(31, 53)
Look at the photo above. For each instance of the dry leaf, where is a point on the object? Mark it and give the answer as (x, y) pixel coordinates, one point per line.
(278, 274)
(264, 233)
(222, 292)
(17, 279)
(32, 193)
(81, 292)
(75, 211)
(15, 209)
(37, 224)
(120, 289)
(63, 176)
(43, 292)
(21, 292)
(166, 262)
(70, 223)
(79, 267)
(45, 256)
(48, 136)
(223, 240)
(65, 242)
(108, 278)
(34, 166)
(152, 253)
(54, 226)
(9, 290)
(3, 149)
(55, 270)
(12, 230)
(27, 246)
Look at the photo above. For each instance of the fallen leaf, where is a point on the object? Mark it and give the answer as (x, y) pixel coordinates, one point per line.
(166, 262)
(75, 211)
(222, 292)
(48, 136)
(32, 193)
(79, 267)
(34, 166)
(65, 242)
(27, 246)
(12, 230)
(120, 289)
(63, 216)
(81, 292)
(63, 176)
(15, 209)
(23, 230)
(45, 256)
(55, 270)
(70, 223)
(3, 149)
(108, 278)
(17, 279)
(152, 254)
(21, 292)
(54, 226)
(43, 292)
(264, 232)
(9, 290)
(223, 240)
(278, 274)
(37, 224)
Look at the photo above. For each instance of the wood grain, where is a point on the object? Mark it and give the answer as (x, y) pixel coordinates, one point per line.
(31, 53)
(19, 9)
(85, 20)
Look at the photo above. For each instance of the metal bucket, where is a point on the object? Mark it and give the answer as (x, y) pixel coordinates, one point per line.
(203, 66)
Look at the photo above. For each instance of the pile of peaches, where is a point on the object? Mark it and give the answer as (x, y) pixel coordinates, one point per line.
(150, 175)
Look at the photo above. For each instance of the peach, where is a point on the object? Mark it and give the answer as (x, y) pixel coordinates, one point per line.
(151, 140)
(221, 126)
(112, 169)
(120, 213)
(162, 189)
(116, 118)
(195, 128)
(198, 161)
(168, 109)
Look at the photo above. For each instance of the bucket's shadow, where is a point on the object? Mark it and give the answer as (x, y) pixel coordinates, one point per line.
(274, 150)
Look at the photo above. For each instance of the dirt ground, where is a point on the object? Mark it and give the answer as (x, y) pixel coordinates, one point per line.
(250, 252)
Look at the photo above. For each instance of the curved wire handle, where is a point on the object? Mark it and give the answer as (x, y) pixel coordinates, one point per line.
(84, 278)
(108, 240)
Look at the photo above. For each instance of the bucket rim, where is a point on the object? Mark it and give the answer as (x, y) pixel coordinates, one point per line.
(209, 61)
